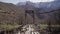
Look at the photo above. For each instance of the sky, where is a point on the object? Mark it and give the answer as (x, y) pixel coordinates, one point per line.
(16, 1)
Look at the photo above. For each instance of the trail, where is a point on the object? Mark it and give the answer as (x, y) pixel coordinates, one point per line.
(30, 29)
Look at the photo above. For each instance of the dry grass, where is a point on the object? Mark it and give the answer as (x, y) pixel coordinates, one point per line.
(9, 27)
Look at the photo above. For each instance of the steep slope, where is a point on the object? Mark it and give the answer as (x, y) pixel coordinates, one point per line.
(9, 15)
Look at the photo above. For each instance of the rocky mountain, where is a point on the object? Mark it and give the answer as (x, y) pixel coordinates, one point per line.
(47, 6)
(43, 7)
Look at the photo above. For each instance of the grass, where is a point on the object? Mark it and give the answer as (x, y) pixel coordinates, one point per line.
(9, 27)
(46, 25)
(42, 26)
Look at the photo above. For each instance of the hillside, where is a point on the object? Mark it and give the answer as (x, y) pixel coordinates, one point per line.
(9, 15)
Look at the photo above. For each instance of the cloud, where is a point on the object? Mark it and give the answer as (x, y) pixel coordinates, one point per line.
(41, 0)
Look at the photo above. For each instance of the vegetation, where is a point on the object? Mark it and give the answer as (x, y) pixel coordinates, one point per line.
(9, 27)
(46, 25)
